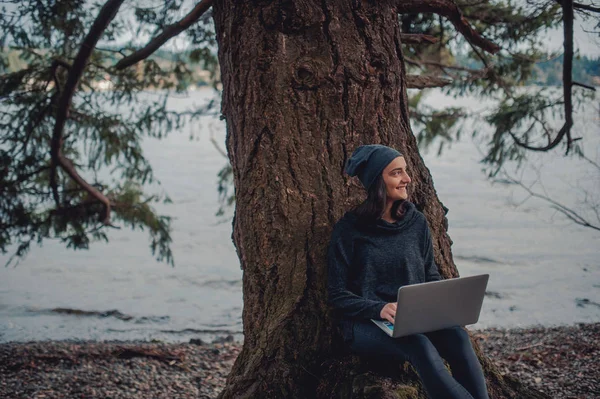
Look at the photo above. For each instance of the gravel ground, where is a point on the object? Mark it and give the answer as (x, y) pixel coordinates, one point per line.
(114, 370)
(562, 361)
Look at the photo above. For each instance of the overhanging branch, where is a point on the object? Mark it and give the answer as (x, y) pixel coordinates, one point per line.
(454, 72)
(444, 67)
(167, 33)
(412, 38)
(568, 17)
(105, 16)
(584, 86)
(583, 7)
(586, 7)
(551, 144)
(425, 81)
(448, 9)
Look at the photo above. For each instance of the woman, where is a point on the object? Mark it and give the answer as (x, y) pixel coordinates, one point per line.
(383, 244)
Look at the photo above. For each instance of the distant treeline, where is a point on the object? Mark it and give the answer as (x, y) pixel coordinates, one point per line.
(549, 73)
(546, 73)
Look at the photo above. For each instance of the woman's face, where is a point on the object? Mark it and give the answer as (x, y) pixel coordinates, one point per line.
(396, 179)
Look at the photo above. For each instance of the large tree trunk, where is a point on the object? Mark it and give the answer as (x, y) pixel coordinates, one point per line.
(304, 83)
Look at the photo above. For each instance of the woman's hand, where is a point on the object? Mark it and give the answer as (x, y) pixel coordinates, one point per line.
(388, 312)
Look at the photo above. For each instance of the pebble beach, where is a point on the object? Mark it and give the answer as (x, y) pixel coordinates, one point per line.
(560, 361)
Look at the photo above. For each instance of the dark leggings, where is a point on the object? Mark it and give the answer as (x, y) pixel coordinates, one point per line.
(425, 352)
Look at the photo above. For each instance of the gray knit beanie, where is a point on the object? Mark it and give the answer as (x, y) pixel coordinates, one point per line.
(369, 161)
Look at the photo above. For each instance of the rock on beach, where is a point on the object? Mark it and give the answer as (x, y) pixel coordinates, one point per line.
(560, 361)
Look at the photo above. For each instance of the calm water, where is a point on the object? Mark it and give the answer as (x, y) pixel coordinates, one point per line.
(544, 269)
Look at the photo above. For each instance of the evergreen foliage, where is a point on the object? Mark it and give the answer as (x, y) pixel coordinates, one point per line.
(104, 131)
(519, 28)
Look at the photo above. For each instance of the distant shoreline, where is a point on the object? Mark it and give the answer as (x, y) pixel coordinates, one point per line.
(561, 361)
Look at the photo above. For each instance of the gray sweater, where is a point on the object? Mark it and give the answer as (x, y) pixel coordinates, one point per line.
(368, 263)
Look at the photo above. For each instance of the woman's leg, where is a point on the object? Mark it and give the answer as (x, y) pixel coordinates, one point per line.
(370, 341)
(455, 346)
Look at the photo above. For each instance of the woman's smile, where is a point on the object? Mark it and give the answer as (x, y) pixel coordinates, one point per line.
(396, 179)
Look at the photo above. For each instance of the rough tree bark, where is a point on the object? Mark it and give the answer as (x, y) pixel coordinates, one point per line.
(304, 83)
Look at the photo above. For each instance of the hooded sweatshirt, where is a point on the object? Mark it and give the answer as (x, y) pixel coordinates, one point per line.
(367, 263)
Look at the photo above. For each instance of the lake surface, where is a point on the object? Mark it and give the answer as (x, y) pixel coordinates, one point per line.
(543, 269)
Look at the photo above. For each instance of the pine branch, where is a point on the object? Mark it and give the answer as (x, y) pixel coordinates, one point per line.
(413, 38)
(167, 33)
(443, 67)
(58, 62)
(42, 114)
(583, 7)
(586, 7)
(551, 143)
(425, 81)
(448, 9)
(23, 178)
(568, 17)
(584, 86)
(105, 16)
(33, 124)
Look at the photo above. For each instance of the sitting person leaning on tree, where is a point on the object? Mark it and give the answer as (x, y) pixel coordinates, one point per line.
(380, 245)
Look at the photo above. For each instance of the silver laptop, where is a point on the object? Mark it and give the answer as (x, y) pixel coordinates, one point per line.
(436, 305)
